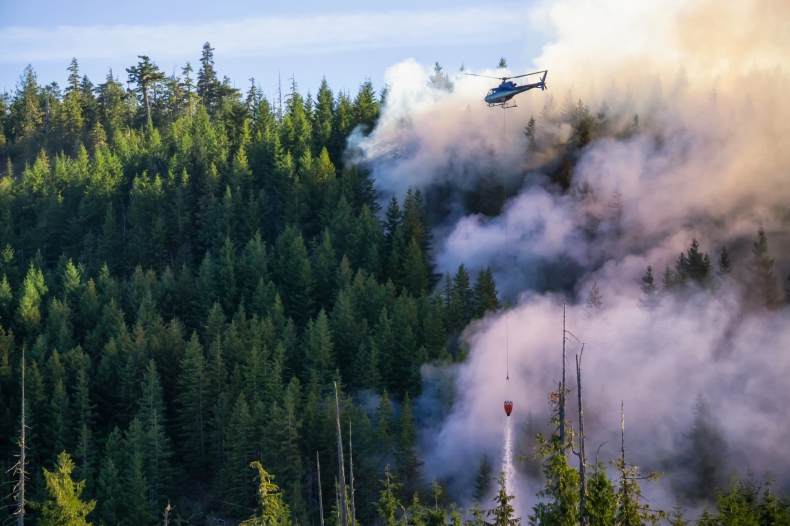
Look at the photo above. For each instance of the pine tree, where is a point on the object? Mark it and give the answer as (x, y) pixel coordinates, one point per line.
(464, 295)
(385, 426)
(601, 499)
(483, 479)
(322, 126)
(676, 517)
(192, 419)
(764, 285)
(485, 296)
(240, 488)
(324, 271)
(704, 455)
(109, 494)
(63, 505)
(668, 281)
(83, 420)
(157, 443)
(59, 428)
(724, 262)
(529, 132)
(405, 454)
(504, 513)
(559, 496)
(345, 334)
(388, 503)
(593, 307)
(273, 510)
(28, 313)
(318, 347)
(294, 274)
(651, 297)
(439, 80)
(208, 82)
(415, 273)
(146, 75)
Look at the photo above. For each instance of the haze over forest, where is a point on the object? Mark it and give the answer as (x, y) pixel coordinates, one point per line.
(206, 289)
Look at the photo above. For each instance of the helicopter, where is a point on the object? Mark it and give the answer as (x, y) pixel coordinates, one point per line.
(501, 95)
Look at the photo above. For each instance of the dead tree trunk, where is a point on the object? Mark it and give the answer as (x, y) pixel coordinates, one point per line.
(351, 477)
(582, 457)
(623, 473)
(320, 497)
(562, 384)
(340, 467)
(20, 488)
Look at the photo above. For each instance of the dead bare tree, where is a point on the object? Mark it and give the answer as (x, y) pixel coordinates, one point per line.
(340, 469)
(581, 453)
(320, 497)
(21, 465)
(562, 382)
(351, 477)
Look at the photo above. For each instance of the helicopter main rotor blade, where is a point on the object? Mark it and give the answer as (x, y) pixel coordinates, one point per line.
(485, 76)
(528, 74)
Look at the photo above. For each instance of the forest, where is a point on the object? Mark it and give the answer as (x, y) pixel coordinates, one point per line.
(201, 295)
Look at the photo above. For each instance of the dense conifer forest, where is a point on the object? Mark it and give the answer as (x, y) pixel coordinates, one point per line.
(188, 270)
(199, 292)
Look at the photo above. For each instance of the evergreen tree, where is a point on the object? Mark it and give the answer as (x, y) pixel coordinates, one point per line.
(109, 494)
(483, 479)
(439, 80)
(764, 285)
(593, 307)
(156, 442)
(63, 505)
(724, 262)
(704, 456)
(208, 83)
(318, 348)
(529, 132)
(193, 416)
(28, 314)
(385, 426)
(240, 447)
(273, 510)
(388, 503)
(504, 513)
(83, 420)
(294, 274)
(559, 496)
(146, 75)
(600, 504)
(651, 297)
(485, 295)
(405, 449)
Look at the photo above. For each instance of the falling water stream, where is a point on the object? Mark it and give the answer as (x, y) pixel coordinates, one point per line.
(507, 457)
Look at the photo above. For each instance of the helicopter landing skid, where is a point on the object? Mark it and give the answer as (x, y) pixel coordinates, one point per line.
(505, 105)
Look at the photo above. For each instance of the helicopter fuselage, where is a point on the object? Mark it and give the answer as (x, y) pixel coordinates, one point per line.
(507, 90)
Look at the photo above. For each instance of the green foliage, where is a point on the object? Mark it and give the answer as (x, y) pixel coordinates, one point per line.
(600, 505)
(503, 513)
(189, 271)
(273, 510)
(63, 506)
(560, 492)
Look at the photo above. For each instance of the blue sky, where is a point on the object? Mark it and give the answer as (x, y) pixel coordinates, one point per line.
(346, 40)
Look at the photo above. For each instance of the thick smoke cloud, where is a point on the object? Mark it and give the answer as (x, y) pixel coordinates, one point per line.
(708, 159)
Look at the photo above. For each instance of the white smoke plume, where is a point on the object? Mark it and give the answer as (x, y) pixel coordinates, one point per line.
(708, 159)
